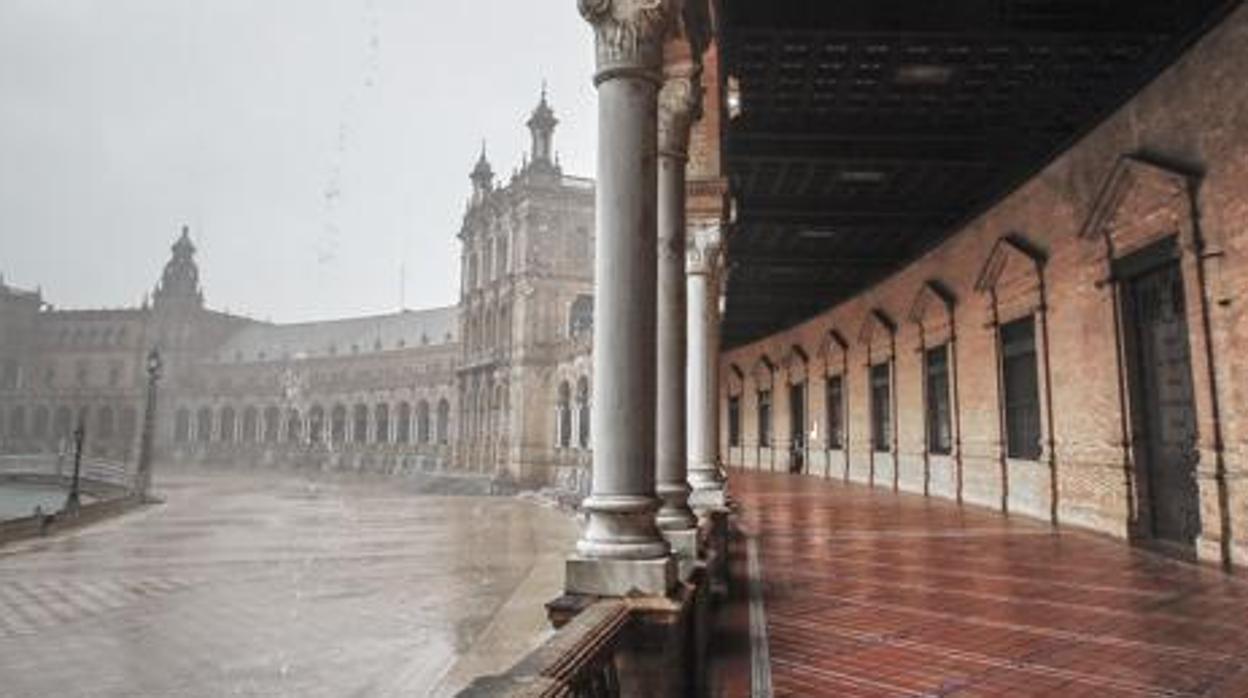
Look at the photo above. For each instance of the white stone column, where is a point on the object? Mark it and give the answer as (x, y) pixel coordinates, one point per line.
(703, 372)
(678, 106)
(621, 549)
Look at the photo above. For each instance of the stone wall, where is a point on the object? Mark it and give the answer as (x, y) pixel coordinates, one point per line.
(1170, 164)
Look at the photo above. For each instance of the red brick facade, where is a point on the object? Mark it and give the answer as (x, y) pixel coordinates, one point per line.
(1172, 164)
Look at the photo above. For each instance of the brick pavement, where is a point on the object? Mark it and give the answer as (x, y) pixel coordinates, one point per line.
(870, 593)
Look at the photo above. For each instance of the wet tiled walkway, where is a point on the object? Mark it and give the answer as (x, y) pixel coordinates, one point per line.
(868, 593)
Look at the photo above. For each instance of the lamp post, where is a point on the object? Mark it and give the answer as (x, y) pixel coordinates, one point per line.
(72, 503)
(144, 475)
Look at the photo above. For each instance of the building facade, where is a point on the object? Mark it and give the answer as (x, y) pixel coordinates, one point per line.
(498, 384)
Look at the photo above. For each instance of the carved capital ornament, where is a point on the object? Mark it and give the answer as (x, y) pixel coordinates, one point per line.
(628, 35)
(680, 105)
(702, 250)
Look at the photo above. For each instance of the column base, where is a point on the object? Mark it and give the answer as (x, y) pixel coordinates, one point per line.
(685, 549)
(608, 577)
(715, 498)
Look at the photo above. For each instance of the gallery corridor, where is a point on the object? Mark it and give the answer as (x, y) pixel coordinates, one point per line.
(870, 593)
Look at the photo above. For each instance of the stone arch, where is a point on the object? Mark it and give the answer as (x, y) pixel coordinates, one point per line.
(878, 334)
(227, 424)
(933, 312)
(444, 419)
(1012, 281)
(563, 415)
(582, 408)
(272, 424)
(381, 423)
(294, 426)
(203, 425)
(359, 423)
(251, 425)
(182, 425)
(105, 423)
(403, 425)
(127, 423)
(40, 422)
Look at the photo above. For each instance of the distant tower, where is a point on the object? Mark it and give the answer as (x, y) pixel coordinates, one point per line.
(542, 127)
(482, 177)
(179, 284)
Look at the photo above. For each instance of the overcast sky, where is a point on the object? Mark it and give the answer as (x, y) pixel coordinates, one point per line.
(313, 146)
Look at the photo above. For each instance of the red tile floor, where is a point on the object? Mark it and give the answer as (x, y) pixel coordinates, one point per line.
(870, 593)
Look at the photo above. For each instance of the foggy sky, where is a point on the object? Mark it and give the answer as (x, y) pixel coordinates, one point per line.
(313, 146)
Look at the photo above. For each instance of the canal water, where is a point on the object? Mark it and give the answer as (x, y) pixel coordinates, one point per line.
(18, 499)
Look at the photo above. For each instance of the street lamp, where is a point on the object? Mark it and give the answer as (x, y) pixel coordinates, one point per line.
(144, 475)
(72, 503)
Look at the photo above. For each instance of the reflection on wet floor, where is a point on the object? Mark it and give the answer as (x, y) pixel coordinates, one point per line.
(262, 584)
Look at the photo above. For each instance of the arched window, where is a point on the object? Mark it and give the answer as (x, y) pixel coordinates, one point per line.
(294, 427)
(403, 429)
(251, 425)
(444, 420)
(182, 426)
(338, 424)
(17, 422)
(39, 425)
(105, 423)
(203, 425)
(62, 423)
(582, 411)
(316, 424)
(564, 410)
(272, 424)
(504, 327)
(381, 421)
(581, 316)
(359, 427)
(487, 264)
(500, 260)
(228, 419)
(422, 422)
(128, 424)
(472, 270)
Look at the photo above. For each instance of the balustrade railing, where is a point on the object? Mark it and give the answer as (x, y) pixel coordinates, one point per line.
(578, 661)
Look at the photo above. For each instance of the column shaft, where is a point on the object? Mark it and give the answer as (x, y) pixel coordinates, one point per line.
(673, 488)
(622, 501)
(703, 370)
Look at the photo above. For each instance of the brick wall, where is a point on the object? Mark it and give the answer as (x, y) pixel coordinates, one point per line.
(1172, 163)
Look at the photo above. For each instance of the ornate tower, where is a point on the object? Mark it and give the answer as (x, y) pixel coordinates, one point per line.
(482, 177)
(179, 284)
(542, 125)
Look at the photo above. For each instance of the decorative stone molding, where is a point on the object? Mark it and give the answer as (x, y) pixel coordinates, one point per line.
(703, 250)
(763, 373)
(680, 105)
(932, 311)
(629, 34)
(1013, 275)
(795, 363)
(877, 333)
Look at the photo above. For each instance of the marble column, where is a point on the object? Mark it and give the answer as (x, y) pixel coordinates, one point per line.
(703, 371)
(621, 550)
(678, 108)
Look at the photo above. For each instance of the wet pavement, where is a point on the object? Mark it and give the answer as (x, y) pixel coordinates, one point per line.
(254, 584)
(869, 593)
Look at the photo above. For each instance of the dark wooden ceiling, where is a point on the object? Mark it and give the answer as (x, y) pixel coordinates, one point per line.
(871, 129)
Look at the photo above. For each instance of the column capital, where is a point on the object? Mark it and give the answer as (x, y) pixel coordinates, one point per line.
(629, 35)
(680, 105)
(703, 250)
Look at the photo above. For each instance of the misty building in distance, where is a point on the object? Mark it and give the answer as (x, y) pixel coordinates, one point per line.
(499, 382)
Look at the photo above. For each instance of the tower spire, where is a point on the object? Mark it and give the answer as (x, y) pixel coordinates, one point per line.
(482, 175)
(542, 125)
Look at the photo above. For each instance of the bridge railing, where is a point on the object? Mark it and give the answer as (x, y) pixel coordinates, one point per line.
(577, 662)
(50, 465)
